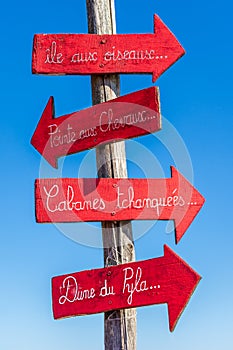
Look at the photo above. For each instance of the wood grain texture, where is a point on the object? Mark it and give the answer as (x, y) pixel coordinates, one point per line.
(119, 325)
(106, 53)
(125, 117)
(106, 199)
(167, 279)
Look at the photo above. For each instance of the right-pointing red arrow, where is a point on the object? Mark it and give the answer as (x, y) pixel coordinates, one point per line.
(182, 283)
(190, 200)
(167, 279)
(105, 199)
(100, 54)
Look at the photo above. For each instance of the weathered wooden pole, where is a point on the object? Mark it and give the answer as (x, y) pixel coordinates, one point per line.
(119, 325)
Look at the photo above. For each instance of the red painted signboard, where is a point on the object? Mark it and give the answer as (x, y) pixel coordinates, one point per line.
(125, 117)
(106, 199)
(166, 279)
(99, 54)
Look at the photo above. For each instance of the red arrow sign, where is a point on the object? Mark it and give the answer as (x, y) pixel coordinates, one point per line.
(74, 200)
(98, 54)
(167, 279)
(133, 115)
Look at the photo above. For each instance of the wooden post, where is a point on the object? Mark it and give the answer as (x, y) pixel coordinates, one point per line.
(120, 325)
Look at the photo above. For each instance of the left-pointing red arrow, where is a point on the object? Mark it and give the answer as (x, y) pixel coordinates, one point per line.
(125, 117)
(167, 279)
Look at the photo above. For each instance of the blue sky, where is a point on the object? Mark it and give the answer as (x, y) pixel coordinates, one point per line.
(196, 98)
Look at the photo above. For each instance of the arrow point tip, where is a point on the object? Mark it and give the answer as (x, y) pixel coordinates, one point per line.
(161, 29)
(189, 279)
(48, 112)
(172, 326)
(40, 137)
(155, 76)
(50, 107)
(192, 199)
(167, 250)
(52, 160)
(157, 22)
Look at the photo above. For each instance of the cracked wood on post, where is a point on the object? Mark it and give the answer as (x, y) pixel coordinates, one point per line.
(120, 325)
